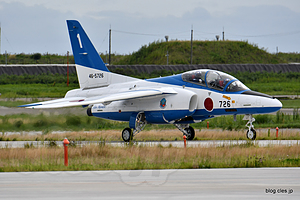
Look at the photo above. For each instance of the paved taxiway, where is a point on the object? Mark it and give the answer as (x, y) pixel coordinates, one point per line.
(257, 183)
(180, 144)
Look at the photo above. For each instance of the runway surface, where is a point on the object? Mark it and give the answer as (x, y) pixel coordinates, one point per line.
(180, 144)
(257, 183)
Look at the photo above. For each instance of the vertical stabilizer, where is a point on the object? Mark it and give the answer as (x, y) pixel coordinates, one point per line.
(91, 70)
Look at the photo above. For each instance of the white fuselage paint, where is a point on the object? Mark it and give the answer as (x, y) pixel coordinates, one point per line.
(174, 101)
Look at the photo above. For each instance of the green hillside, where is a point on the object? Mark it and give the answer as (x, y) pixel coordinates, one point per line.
(204, 52)
(290, 57)
(35, 58)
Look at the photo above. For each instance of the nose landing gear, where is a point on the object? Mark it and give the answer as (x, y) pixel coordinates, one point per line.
(251, 133)
(187, 130)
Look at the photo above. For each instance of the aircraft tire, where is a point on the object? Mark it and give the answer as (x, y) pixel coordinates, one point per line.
(190, 133)
(251, 134)
(127, 134)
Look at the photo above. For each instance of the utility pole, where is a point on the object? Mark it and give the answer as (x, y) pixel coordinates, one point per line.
(192, 46)
(167, 39)
(0, 37)
(109, 48)
(5, 57)
(106, 57)
(68, 68)
(223, 34)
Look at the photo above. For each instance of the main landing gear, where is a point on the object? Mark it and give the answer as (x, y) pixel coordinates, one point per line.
(251, 133)
(128, 134)
(137, 124)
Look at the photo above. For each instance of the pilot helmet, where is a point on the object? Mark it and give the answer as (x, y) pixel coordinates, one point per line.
(198, 75)
(226, 81)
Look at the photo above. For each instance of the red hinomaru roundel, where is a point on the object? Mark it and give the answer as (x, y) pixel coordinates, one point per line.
(208, 104)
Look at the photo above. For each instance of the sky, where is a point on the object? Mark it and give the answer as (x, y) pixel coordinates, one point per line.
(39, 26)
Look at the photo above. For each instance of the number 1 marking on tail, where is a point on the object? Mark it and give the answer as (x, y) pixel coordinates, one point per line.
(79, 40)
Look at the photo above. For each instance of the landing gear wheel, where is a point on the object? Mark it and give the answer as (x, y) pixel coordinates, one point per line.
(127, 134)
(251, 134)
(190, 133)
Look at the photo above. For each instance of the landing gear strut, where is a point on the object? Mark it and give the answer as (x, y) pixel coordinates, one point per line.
(187, 130)
(137, 125)
(251, 133)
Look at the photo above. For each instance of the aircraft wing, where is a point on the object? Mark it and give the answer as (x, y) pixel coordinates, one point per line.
(84, 101)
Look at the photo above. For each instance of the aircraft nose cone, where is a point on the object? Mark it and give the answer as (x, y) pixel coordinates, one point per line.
(276, 104)
(279, 103)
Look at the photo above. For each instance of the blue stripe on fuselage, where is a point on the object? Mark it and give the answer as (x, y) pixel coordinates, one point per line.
(155, 117)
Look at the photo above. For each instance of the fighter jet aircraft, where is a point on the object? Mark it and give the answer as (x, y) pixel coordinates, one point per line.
(181, 100)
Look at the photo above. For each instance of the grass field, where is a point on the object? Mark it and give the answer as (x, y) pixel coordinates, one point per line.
(34, 90)
(132, 157)
(155, 134)
(291, 103)
(105, 157)
(276, 88)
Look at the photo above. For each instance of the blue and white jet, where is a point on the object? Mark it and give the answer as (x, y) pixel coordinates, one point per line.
(181, 100)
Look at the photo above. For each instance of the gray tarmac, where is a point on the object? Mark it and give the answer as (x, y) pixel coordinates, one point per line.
(179, 144)
(248, 183)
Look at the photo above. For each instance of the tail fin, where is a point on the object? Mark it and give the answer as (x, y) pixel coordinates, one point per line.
(91, 70)
(84, 52)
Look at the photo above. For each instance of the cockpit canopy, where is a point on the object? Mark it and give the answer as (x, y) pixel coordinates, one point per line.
(214, 79)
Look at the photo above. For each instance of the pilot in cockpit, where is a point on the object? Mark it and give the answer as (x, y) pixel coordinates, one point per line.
(222, 83)
(198, 78)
